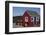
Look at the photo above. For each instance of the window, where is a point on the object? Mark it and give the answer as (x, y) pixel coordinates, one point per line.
(32, 19)
(37, 18)
(26, 19)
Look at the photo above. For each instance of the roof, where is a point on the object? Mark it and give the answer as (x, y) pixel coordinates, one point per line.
(32, 13)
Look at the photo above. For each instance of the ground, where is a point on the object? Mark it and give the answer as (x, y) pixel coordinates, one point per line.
(16, 26)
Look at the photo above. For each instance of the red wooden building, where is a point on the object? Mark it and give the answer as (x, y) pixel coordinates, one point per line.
(27, 19)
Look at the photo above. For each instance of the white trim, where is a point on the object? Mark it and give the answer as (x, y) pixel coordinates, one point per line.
(33, 18)
(26, 19)
(36, 18)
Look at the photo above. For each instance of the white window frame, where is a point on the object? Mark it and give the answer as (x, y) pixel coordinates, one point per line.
(33, 19)
(27, 18)
(36, 18)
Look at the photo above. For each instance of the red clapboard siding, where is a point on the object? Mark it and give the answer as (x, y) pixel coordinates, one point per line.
(29, 19)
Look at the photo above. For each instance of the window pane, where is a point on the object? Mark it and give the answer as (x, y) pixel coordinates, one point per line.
(37, 19)
(32, 18)
(26, 19)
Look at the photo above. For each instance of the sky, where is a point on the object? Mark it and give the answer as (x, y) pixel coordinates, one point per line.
(19, 11)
